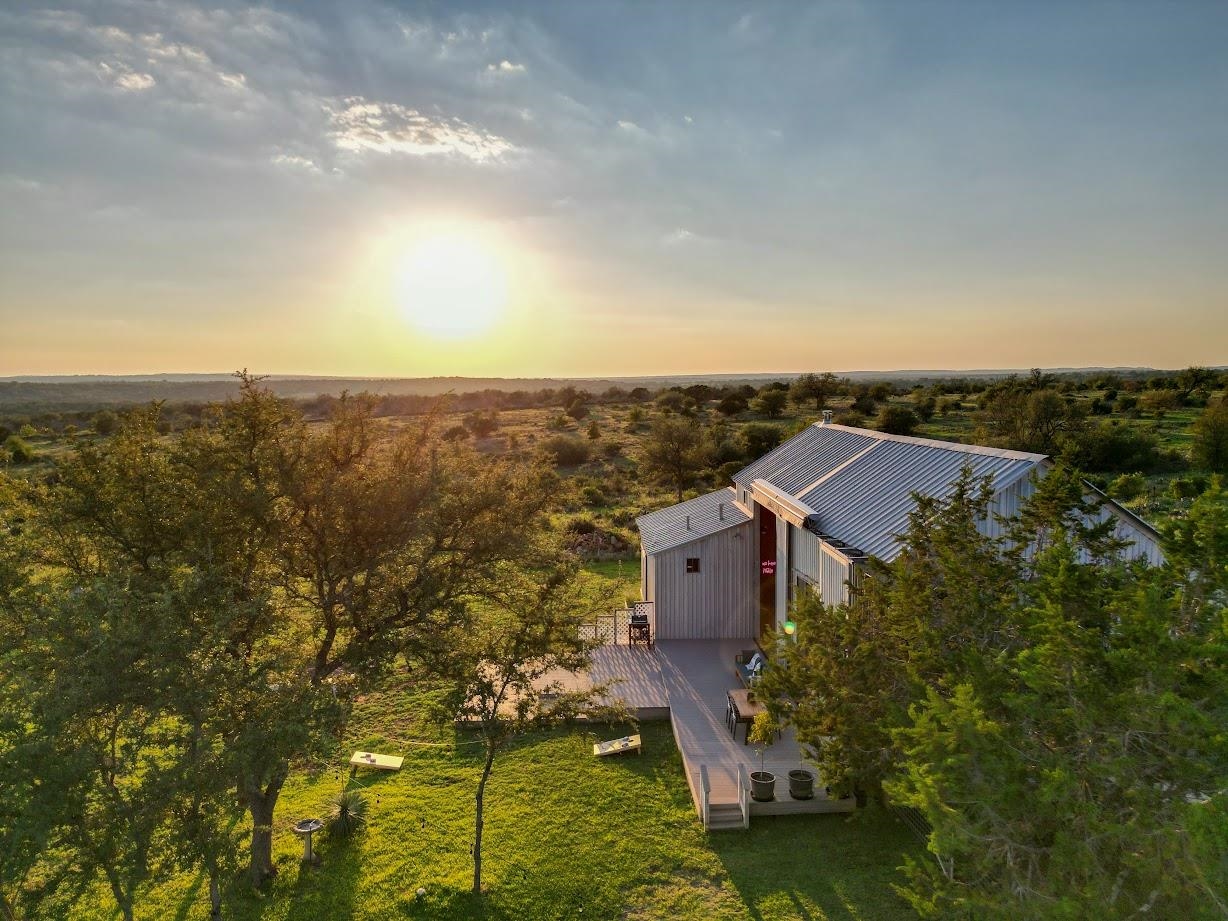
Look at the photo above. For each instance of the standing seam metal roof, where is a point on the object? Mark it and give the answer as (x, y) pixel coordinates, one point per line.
(667, 528)
(866, 503)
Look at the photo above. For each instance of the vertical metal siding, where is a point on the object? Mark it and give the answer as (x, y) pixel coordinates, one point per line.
(834, 573)
(718, 602)
(806, 554)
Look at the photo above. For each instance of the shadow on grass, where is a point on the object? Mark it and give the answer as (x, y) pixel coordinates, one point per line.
(819, 867)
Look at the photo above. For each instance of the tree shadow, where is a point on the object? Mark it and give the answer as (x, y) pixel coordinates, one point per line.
(819, 867)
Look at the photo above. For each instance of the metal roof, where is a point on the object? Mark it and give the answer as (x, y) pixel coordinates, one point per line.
(860, 482)
(668, 528)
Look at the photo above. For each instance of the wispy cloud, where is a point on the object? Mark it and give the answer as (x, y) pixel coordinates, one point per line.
(360, 125)
(505, 67)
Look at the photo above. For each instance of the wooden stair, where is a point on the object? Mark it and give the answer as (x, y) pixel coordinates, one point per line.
(724, 817)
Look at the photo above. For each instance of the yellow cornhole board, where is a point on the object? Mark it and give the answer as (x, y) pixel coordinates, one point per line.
(617, 746)
(372, 760)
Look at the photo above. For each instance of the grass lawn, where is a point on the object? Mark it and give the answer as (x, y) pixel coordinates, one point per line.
(567, 836)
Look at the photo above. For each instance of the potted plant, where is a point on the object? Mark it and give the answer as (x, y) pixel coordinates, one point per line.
(801, 783)
(762, 733)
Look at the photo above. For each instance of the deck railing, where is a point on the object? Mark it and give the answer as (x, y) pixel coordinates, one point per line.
(705, 788)
(744, 794)
(611, 628)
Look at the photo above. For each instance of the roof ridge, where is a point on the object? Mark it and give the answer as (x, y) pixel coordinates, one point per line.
(933, 442)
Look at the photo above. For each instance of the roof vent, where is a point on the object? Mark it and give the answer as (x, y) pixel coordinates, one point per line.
(721, 511)
(688, 522)
(827, 417)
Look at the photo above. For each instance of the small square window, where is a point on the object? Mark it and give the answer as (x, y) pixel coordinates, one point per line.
(692, 564)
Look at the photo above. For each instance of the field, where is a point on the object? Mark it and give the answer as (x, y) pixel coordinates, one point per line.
(567, 836)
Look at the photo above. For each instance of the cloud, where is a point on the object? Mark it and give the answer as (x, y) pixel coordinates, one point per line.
(505, 67)
(125, 78)
(359, 125)
(294, 161)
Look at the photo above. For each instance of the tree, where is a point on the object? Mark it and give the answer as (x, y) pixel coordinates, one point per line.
(770, 402)
(1211, 437)
(674, 451)
(1051, 714)
(897, 420)
(760, 437)
(500, 653)
(1029, 420)
(1195, 380)
(817, 387)
(324, 555)
(731, 404)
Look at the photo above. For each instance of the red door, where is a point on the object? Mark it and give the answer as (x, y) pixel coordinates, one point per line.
(767, 573)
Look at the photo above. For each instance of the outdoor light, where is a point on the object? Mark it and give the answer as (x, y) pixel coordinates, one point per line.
(790, 627)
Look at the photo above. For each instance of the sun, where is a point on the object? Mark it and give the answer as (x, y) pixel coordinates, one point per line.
(451, 284)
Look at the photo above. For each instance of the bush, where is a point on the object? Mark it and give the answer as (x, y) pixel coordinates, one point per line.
(1113, 448)
(852, 418)
(593, 496)
(897, 420)
(456, 433)
(1128, 486)
(580, 525)
(732, 404)
(594, 430)
(347, 813)
(770, 402)
(566, 451)
(105, 422)
(19, 450)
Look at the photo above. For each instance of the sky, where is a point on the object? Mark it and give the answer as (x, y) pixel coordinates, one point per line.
(603, 188)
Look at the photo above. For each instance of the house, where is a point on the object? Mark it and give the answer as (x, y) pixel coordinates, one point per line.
(810, 513)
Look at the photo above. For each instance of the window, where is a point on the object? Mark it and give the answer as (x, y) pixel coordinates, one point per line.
(692, 564)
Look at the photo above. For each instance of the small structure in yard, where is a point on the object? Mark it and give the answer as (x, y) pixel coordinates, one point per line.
(617, 746)
(372, 760)
(305, 828)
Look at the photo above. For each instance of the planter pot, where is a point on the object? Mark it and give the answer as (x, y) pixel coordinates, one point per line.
(801, 784)
(762, 786)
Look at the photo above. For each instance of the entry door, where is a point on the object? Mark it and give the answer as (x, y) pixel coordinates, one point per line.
(767, 573)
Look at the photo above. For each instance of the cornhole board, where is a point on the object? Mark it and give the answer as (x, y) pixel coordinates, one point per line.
(617, 746)
(372, 760)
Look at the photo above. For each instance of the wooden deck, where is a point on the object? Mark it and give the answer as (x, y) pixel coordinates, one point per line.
(687, 680)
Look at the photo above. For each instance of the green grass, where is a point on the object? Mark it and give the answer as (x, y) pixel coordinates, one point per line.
(567, 836)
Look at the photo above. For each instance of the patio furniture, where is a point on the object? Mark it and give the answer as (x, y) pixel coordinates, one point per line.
(372, 760)
(617, 746)
(749, 665)
(744, 710)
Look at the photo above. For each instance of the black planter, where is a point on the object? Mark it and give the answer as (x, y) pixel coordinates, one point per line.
(762, 786)
(801, 784)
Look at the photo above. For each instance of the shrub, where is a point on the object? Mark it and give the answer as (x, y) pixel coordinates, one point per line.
(566, 451)
(1128, 486)
(593, 496)
(347, 812)
(611, 449)
(105, 422)
(456, 433)
(897, 420)
(771, 402)
(580, 525)
(852, 418)
(732, 404)
(594, 430)
(1112, 448)
(19, 450)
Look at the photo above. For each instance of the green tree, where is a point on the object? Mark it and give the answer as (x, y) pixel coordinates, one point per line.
(758, 438)
(770, 402)
(817, 387)
(19, 450)
(674, 451)
(501, 654)
(105, 422)
(1211, 437)
(897, 420)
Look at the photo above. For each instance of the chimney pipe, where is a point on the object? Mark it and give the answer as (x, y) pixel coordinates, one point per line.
(688, 522)
(827, 417)
(721, 511)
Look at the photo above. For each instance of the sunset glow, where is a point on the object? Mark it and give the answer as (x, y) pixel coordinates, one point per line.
(451, 285)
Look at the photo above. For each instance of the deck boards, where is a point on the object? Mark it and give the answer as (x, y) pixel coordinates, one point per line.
(691, 678)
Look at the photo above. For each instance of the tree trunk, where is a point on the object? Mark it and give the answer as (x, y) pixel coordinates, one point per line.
(215, 897)
(477, 828)
(261, 803)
